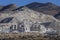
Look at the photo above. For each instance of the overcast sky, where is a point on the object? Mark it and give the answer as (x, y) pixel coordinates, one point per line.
(24, 2)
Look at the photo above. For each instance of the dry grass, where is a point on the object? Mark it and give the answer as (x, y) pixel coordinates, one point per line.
(26, 36)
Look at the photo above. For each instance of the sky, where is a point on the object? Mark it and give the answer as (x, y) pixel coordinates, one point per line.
(25, 2)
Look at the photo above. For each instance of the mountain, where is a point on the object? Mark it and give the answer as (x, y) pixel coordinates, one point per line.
(9, 7)
(1, 7)
(46, 8)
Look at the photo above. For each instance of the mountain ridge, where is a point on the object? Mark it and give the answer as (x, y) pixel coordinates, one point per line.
(46, 8)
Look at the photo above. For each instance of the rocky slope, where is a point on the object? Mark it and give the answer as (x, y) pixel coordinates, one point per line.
(46, 8)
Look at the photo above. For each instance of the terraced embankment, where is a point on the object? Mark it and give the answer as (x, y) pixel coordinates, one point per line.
(26, 36)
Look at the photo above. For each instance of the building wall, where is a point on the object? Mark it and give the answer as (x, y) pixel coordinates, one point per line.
(5, 27)
(22, 27)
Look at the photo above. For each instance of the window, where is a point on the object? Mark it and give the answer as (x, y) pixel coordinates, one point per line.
(21, 27)
(35, 27)
(26, 28)
(14, 27)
